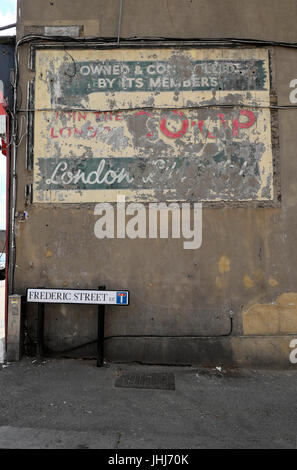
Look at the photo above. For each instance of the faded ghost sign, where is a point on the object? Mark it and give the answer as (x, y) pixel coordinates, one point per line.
(153, 124)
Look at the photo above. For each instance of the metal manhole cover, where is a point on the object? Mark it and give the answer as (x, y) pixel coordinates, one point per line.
(158, 380)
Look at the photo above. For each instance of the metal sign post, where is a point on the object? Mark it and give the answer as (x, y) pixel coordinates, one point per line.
(40, 331)
(100, 297)
(100, 337)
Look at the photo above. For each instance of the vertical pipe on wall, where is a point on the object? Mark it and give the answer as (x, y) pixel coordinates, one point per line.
(13, 181)
(7, 223)
(120, 21)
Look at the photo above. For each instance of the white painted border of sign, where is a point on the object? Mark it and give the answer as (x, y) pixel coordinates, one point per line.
(120, 298)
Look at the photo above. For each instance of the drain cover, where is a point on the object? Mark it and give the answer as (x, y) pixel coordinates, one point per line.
(159, 380)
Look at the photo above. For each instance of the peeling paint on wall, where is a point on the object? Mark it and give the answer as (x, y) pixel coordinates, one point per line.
(150, 124)
(278, 317)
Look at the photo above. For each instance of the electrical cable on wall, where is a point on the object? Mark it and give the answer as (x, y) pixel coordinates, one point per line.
(106, 338)
(68, 42)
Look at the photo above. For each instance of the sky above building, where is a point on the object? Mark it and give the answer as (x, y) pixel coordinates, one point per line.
(7, 16)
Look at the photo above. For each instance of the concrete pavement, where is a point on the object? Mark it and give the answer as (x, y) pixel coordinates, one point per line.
(70, 403)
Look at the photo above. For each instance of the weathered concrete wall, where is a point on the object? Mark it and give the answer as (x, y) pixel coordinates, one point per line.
(247, 260)
(161, 18)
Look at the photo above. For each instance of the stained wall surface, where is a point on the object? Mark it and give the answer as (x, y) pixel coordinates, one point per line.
(233, 150)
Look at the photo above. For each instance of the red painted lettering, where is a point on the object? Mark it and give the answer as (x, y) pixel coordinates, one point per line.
(53, 136)
(141, 113)
(222, 118)
(118, 116)
(77, 131)
(243, 125)
(174, 135)
(68, 131)
(93, 134)
(81, 116)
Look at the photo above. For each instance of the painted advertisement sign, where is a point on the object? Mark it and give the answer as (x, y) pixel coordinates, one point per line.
(153, 124)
